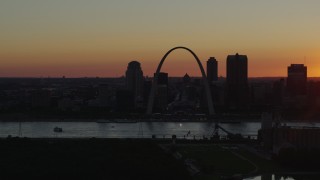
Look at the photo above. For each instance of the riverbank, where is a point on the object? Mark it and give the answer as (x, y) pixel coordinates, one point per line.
(22, 117)
(99, 120)
(118, 120)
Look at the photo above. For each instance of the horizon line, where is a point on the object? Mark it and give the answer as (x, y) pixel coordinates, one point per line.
(91, 77)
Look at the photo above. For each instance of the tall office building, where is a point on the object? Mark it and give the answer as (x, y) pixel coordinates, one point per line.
(161, 99)
(212, 69)
(161, 96)
(162, 78)
(134, 79)
(237, 80)
(297, 79)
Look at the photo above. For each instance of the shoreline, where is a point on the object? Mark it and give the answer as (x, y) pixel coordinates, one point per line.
(124, 120)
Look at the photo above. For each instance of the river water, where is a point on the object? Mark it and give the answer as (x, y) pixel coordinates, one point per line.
(128, 130)
(296, 176)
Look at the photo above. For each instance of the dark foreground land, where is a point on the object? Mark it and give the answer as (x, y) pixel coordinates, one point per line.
(86, 159)
(156, 159)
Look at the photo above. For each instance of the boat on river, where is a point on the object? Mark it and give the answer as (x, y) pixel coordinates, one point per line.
(57, 129)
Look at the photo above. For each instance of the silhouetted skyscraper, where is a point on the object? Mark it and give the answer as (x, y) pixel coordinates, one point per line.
(162, 78)
(161, 102)
(161, 99)
(134, 79)
(297, 79)
(237, 80)
(212, 69)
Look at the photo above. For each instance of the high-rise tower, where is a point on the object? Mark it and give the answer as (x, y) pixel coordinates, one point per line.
(134, 79)
(212, 69)
(297, 79)
(237, 80)
(162, 78)
(161, 99)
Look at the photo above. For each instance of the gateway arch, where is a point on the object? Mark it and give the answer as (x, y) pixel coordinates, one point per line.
(155, 81)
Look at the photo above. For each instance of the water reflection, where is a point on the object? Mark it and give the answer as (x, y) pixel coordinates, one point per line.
(310, 176)
(270, 177)
(125, 130)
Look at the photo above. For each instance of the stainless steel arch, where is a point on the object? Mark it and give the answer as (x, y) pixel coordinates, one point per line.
(204, 77)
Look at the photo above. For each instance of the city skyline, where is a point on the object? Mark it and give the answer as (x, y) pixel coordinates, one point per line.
(99, 38)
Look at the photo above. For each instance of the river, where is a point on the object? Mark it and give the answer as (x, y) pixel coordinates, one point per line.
(127, 130)
(292, 176)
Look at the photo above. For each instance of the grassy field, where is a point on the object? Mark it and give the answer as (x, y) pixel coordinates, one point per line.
(213, 158)
(87, 159)
(216, 161)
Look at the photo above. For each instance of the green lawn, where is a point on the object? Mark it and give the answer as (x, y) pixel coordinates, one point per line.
(265, 166)
(213, 159)
(227, 160)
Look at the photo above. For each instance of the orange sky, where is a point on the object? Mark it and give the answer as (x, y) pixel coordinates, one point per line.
(78, 38)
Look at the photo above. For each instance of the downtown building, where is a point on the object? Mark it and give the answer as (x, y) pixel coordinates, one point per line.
(297, 80)
(212, 69)
(296, 87)
(237, 81)
(135, 82)
(161, 96)
(216, 87)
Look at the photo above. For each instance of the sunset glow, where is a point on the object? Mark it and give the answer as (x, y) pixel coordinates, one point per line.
(78, 38)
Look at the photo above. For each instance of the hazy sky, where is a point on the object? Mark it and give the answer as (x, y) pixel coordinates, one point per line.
(99, 37)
